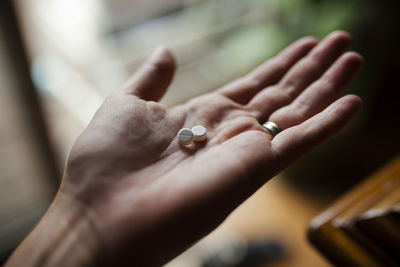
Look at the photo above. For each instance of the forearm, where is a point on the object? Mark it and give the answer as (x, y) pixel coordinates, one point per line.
(64, 237)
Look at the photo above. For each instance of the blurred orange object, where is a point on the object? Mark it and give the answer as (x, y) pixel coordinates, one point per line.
(363, 227)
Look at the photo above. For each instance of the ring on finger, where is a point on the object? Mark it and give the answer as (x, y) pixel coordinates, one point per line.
(272, 128)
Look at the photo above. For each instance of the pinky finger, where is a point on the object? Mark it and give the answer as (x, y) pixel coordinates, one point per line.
(295, 141)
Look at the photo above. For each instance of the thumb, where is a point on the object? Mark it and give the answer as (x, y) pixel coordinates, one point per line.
(152, 79)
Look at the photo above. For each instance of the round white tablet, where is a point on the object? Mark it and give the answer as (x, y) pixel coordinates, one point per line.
(199, 133)
(185, 136)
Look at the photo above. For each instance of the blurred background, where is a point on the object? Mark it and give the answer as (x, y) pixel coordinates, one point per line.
(59, 59)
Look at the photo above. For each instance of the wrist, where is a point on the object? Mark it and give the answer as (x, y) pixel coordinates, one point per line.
(66, 236)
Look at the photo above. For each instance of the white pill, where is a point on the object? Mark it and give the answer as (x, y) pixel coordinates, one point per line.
(199, 133)
(185, 136)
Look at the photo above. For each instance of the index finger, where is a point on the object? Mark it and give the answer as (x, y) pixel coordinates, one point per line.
(270, 72)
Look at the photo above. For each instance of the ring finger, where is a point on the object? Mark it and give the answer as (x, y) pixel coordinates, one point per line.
(302, 74)
(320, 94)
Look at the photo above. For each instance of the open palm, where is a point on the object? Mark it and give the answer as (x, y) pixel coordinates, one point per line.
(151, 197)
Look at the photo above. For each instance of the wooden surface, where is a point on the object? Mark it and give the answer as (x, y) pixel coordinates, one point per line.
(363, 227)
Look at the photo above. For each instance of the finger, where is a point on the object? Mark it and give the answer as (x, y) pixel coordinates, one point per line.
(243, 89)
(321, 93)
(151, 81)
(295, 141)
(300, 76)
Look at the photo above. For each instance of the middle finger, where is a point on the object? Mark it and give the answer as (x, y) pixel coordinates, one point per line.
(300, 76)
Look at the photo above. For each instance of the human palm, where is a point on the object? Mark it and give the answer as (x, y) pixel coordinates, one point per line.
(151, 197)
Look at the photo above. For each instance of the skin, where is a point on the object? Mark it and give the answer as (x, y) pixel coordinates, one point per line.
(131, 195)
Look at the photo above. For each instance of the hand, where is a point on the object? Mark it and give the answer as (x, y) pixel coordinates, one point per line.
(149, 197)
